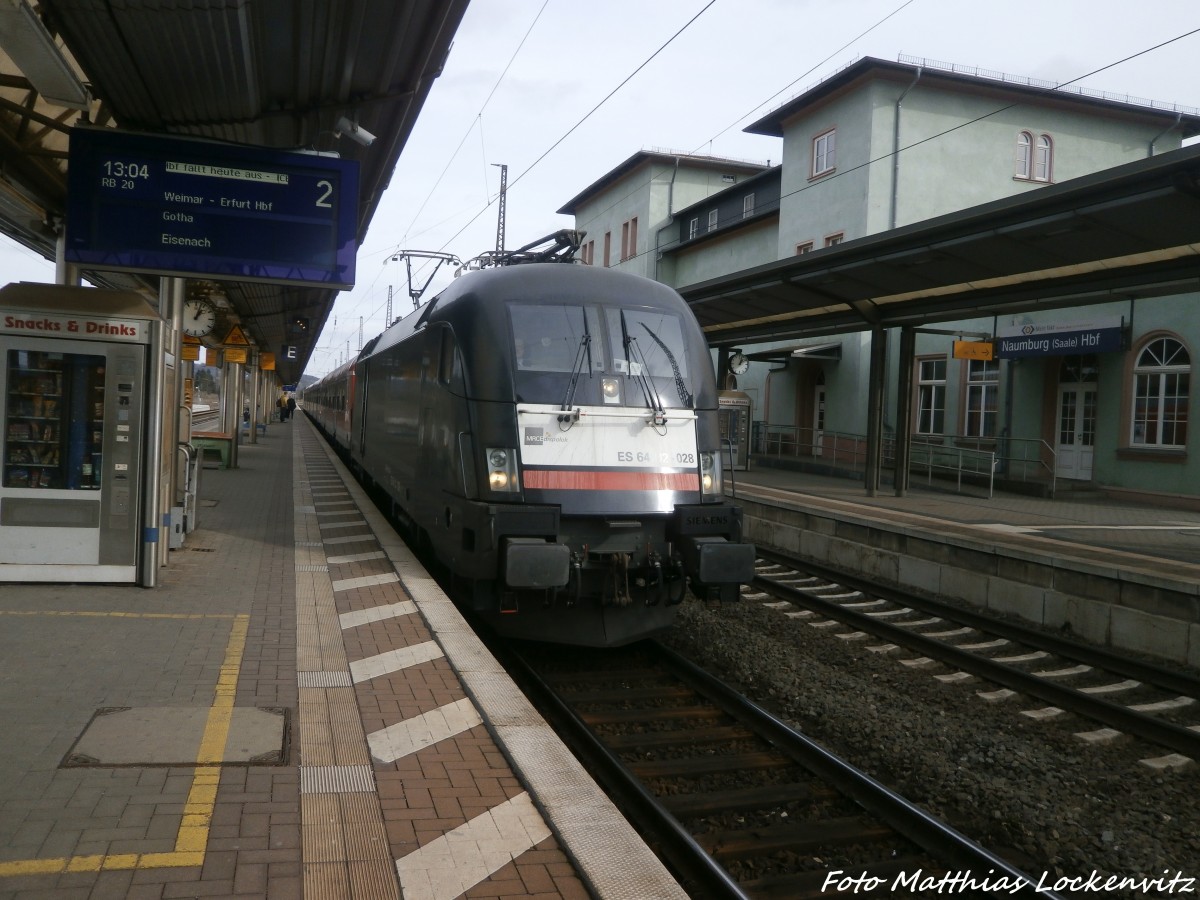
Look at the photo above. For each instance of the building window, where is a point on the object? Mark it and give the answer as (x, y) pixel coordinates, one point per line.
(824, 153)
(607, 249)
(1034, 157)
(747, 206)
(834, 239)
(629, 239)
(712, 220)
(588, 253)
(983, 388)
(1041, 158)
(693, 228)
(1161, 379)
(806, 247)
(931, 396)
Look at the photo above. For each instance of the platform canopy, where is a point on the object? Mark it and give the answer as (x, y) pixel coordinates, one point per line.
(1130, 231)
(276, 74)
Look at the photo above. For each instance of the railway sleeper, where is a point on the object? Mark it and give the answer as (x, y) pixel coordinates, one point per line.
(752, 842)
(658, 740)
(707, 765)
(694, 806)
(621, 695)
(661, 714)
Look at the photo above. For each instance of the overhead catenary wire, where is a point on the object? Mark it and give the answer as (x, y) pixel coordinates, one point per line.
(588, 115)
(478, 119)
(808, 72)
(885, 157)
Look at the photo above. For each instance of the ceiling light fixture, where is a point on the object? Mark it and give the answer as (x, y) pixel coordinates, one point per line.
(27, 42)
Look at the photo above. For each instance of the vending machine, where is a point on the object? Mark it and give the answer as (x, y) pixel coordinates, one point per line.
(733, 416)
(73, 381)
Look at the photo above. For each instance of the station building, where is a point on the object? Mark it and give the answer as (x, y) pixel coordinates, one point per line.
(1095, 396)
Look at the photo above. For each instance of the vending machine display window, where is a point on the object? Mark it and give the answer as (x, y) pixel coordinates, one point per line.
(54, 424)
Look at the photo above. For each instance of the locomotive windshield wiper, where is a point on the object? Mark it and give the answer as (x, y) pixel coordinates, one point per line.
(643, 377)
(685, 396)
(569, 415)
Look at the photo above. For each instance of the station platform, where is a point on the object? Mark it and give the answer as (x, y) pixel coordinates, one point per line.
(296, 710)
(1119, 574)
(1085, 519)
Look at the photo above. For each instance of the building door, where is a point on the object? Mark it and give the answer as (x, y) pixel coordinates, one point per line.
(1076, 417)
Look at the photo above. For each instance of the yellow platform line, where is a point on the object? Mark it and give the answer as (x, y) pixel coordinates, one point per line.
(192, 840)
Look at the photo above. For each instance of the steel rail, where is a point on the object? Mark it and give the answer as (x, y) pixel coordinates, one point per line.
(685, 854)
(1147, 673)
(905, 817)
(1175, 737)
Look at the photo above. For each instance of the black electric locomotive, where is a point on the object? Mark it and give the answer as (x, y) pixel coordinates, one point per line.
(550, 431)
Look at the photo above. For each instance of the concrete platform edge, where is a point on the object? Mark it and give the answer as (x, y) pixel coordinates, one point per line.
(559, 796)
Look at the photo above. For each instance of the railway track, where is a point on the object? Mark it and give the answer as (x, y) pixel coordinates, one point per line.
(1122, 695)
(736, 802)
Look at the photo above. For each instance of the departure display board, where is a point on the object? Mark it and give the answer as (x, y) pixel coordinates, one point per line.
(182, 206)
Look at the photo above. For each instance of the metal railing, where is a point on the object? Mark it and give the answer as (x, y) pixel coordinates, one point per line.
(950, 458)
(836, 448)
(950, 461)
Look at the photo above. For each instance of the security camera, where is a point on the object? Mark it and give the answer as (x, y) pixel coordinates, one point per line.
(354, 131)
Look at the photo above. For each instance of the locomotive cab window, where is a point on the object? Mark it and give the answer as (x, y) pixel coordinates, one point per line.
(649, 338)
(549, 338)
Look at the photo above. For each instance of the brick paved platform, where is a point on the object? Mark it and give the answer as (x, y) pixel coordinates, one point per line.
(412, 766)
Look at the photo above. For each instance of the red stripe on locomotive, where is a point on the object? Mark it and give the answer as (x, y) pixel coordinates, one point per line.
(575, 480)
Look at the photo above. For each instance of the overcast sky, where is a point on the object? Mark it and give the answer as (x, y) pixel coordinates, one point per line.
(526, 82)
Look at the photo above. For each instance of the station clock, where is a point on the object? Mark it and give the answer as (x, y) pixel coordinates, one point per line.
(199, 317)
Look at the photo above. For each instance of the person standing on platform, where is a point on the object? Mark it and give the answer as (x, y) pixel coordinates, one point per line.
(283, 407)
(291, 405)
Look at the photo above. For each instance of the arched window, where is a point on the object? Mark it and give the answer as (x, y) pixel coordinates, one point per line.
(1024, 163)
(1041, 158)
(1161, 378)
(1034, 157)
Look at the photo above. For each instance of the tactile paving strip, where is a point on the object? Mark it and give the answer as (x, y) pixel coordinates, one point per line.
(344, 847)
(501, 826)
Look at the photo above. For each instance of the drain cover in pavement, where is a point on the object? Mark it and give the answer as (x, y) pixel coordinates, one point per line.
(171, 736)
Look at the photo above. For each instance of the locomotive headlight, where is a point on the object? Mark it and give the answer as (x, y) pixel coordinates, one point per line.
(611, 389)
(710, 474)
(502, 470)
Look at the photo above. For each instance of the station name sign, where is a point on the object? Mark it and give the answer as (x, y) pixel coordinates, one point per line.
(179, 206)
(1059, 339)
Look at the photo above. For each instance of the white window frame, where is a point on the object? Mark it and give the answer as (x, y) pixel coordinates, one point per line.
(693, 227)
(1023, 165)
(1034, 159)
(834, 239)
(804, 247)
(712, 220)
(824, 152)
(1043, 156)
(748, 205)
(931, 396)
(983, 394)
(1160, 395)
